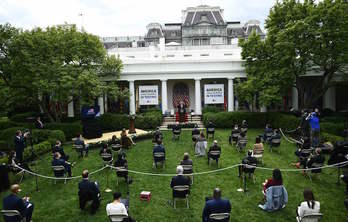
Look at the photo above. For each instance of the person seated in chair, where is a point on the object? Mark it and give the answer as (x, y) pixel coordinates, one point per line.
(187, 161)
(276, 180)
(214, 147)
(316, 158)
(210, 129)
(216, 205)
(242, 141)
(115, 143)
(58, 148)
(118, 207)
(250, 160)
(157, 135)
(276, 198)
(267, 133)
(309, 206)
(195, 133)
(38, 123)
(276, 135)
(106, 150)
(176, 130)
(244, 126)
(14, 164)
(22, 205)
(258, 146)
(126, 141)
(79, 141)
(59, 161)
(180, 180)
(303, 152)
(201, 145)
(88, 191)
(121, 162)
(159, 148)
(235, 132)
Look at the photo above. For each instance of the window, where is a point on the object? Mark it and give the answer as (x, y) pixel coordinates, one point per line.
(195, 42)
(205, 54)
(170, 55)
(187, 55)
(204, 18)
(205, 41)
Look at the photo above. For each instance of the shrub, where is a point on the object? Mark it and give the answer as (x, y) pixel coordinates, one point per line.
(332, 128)
(331, 138)
(23, 117)
(185, 125)
(55, 135)
(143, 137)
(9, 134)
(335, 119)
(70, 129)
(40, 135)
(284, 121)
(211, 109)
(4, 146)
(149, 120)
(39, 149)
(6, 123)
(112, 122)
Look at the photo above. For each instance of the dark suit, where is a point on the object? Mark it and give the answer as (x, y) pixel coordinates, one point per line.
(187, 162)
(38, 125)
(121, 163)
(78, 141)
(89, 191)
(180, 180)
(108, 151)
(13, 202)
(214, 157)
(61, 162)
(250, 161)
(320, 159)
(159, 149)
(60, 150)
(216, 206)
(19, 142)
(210, 129)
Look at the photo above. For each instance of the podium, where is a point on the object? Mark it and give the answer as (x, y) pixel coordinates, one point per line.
(131, 124)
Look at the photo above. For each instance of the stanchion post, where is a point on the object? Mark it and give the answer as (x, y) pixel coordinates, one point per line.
(107, 190)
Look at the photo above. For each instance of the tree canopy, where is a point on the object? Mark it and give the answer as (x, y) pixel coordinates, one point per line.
(50, 67)
(304, 38)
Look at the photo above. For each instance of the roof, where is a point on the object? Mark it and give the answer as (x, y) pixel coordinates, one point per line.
(203, 14)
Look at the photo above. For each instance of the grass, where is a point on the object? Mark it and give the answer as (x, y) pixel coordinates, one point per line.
(59, 202)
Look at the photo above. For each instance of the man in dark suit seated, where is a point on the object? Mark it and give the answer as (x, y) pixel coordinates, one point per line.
(157, 135)
(38, 123)
(88, 191)
(176, 130)
(210, 129)
(58, 148)
(121, 162)
(214, 147)
(79, 141)
(19, 142)
(59, 161)
(159, 148)
(23, 206)
(216, 205)
(250, 160)
(195, 133)
(180, 180)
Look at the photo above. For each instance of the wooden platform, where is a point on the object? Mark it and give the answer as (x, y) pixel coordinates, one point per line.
(108, 136)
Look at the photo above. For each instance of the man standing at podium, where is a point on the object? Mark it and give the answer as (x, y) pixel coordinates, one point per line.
(182, 111)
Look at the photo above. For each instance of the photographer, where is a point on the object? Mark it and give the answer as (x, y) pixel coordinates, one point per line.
(19, 142)
(315, 127)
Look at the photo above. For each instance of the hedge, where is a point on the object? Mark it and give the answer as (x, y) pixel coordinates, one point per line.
(331, 138)
(9, 134)
(70, 129)
(212, 109)
(5, 124)
(333, 128)
(39, 149)
(185, 125)
(148, 120)
(23, 117)
(335, 119)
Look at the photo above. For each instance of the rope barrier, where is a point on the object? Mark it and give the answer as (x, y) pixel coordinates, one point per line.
(290, 140)
(57, 178)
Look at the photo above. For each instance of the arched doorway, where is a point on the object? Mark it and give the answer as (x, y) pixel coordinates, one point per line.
(181, 93)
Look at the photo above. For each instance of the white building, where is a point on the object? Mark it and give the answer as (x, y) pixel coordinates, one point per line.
(189, 61)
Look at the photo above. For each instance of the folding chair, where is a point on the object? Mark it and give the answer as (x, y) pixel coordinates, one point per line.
(117, 217)
(241, 144)
(214, 155)
(59, 172)
(250, 170)
(79, 149)
(116, 147)
(160, 155)
(176, 134)
(210, 131)
(259, 156)
(119, 170)
(183, 189)
(315, 171)
(106, 158)
(268, 136)
(234, 138)
(188, 170)
(219, 216)
(13, 214)
(275, 143)
(313, 217)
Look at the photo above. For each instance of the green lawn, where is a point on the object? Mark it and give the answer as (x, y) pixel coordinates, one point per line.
(60, 202)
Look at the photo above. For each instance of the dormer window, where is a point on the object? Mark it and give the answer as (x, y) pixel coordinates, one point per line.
(204, 18)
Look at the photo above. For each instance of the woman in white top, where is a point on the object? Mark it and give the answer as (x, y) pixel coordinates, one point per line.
(309, 206)
(118, 208)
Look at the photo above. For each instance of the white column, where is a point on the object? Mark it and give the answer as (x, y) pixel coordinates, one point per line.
(329, 100)
(230, 95)
(71, 108)
(263, 109)
(198, 110)
(131, 98)
(106, 103)
(101, 104)
(164, 96)
(294, 98)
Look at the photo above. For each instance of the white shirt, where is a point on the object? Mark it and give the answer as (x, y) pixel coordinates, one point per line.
(303, 209)
(116, 208)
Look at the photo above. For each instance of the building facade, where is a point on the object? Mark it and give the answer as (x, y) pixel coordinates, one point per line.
(196, 61)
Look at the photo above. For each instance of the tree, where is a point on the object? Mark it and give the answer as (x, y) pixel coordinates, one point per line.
(303, 37)
(52, 66)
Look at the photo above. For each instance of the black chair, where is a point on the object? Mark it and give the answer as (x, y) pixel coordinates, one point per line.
(117, 217)
(159, 157)
(14, 215)
(215, 155)
(219, 217)
(210, 131)
(183, 191)
(275, 143)
(59, 172)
